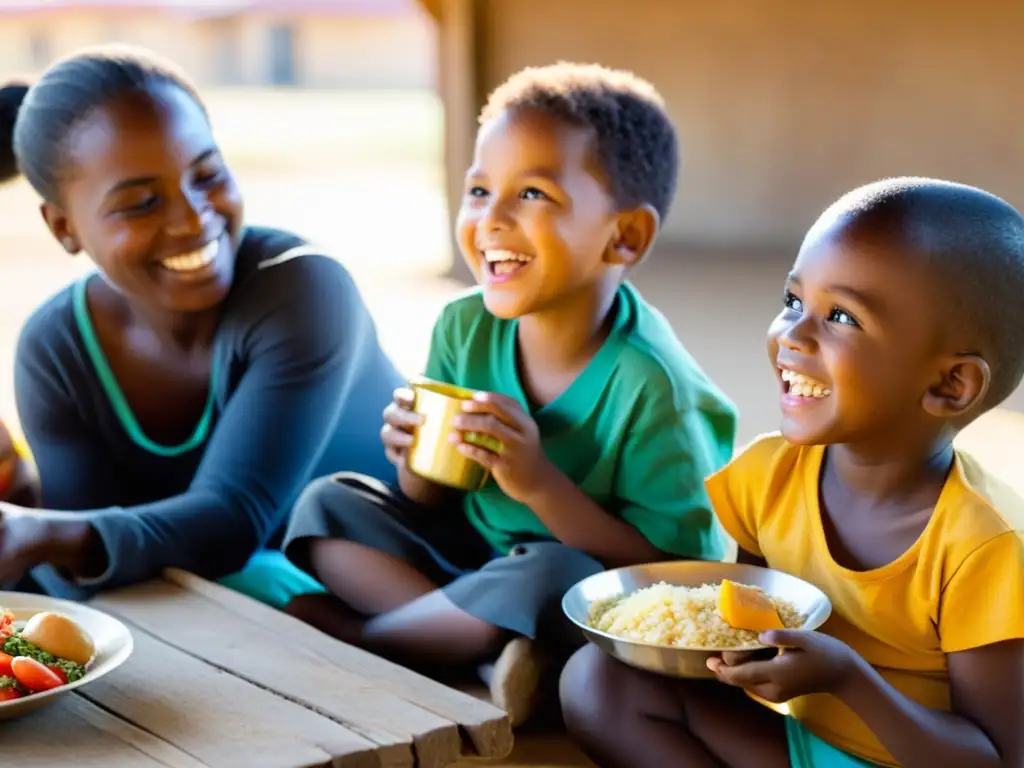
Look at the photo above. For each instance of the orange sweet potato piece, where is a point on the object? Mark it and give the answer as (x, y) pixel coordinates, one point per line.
(749, 608)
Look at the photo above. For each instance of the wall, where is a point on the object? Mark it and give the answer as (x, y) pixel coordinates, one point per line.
(783, 104)
(331, 51)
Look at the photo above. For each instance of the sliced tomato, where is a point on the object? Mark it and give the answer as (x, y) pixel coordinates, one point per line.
(33, 675)
(6, 623)
(53, 668)
(9, 694)
(5, 665)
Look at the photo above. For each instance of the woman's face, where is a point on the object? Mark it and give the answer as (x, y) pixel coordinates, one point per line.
(145, 192)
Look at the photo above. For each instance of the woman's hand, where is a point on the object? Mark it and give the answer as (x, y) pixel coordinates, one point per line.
(28, 538)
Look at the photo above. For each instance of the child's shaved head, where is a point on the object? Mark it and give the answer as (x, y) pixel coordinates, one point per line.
(973, 244)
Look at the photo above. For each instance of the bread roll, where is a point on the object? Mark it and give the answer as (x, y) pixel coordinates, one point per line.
(60, 636)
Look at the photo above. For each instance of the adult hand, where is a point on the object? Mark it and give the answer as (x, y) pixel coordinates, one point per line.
(513, 454)
(811, 662)
(28, 538)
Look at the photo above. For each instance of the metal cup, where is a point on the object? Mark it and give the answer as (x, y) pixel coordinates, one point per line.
(431, 454)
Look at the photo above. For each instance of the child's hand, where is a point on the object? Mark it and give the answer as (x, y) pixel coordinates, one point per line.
(811, 662)
(399, 422)
(520, 467)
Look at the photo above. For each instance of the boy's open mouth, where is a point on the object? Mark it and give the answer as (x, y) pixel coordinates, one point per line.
(505, 263)
(799, 385)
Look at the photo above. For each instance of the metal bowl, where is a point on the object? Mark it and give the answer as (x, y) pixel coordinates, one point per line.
(670, 660)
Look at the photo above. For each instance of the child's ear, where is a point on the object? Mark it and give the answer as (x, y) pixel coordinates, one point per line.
(635, 233)
(962, 386)
(60, 227)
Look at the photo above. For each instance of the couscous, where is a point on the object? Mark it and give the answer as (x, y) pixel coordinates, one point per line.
(683, 617)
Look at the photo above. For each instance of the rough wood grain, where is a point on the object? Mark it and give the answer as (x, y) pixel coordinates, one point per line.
(221, 719)
(265, 655)
(486, 726)
(76, 732)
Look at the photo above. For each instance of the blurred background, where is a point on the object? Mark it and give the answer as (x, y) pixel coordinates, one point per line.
(351, 122)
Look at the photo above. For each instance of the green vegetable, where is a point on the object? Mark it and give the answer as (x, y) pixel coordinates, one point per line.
(7, 682)
(16, 645)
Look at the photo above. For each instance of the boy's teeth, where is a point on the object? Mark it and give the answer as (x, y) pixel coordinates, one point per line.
(804, 386)
(496, 256)
(187, 262)
(505, 262)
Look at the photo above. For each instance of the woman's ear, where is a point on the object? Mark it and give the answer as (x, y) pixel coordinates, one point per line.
(636, 231)
(962, 386)
(59, 226)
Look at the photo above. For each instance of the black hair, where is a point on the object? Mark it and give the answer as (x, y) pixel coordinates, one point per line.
(636, 141)
(35, 122)
(974, 243)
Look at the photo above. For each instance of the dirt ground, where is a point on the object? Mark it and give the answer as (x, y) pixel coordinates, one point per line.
(361, 174)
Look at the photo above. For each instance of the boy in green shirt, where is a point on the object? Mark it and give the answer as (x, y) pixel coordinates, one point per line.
(608, 427)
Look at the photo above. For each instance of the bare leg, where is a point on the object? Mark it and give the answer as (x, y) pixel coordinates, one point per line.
(413, 622)
(368, 580)
(623, 718)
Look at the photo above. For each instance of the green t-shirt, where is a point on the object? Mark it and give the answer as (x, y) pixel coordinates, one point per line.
(637, 431)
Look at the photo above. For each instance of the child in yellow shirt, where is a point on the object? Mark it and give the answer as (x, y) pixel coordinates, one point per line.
(900, 325)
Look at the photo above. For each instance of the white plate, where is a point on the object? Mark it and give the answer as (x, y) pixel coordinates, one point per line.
(113, 644)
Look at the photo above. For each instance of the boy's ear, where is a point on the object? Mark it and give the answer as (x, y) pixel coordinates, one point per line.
(60, 227)
(963, 385)
(635, 233)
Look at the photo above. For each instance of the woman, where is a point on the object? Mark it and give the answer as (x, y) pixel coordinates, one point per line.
(177, 400)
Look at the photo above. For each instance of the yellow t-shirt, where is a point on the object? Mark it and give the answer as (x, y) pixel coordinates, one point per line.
(960, 586)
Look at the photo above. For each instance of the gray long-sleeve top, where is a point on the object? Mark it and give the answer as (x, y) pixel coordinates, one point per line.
(298, 386)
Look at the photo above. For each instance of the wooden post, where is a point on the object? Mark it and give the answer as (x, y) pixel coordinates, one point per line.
(457, 85)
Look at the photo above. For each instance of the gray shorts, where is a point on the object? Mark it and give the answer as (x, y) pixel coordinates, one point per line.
(520, 592)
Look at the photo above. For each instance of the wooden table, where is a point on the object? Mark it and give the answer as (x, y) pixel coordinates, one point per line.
(218, 679)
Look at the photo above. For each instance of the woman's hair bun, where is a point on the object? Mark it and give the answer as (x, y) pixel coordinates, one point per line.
(11, 97)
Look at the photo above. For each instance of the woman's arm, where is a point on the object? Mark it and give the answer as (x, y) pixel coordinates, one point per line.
(308, 340)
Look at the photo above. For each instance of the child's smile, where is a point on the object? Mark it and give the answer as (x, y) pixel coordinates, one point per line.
(504, 265)
(536, 218)
(799, 390)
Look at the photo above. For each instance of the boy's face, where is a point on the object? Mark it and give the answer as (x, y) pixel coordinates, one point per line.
(537, 219)
(857, 343)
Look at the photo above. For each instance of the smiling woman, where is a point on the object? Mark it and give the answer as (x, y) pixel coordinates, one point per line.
(177, 399)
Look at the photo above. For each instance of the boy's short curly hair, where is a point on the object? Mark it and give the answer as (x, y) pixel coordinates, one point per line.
(636, 141)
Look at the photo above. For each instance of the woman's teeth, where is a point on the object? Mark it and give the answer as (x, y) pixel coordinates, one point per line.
(804, 386)
(188, 262)
(505, 262)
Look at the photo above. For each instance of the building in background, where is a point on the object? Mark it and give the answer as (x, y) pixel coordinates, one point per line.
(780, 104)
(351, 44)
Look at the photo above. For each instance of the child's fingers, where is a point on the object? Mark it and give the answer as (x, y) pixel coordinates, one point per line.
(395, 439)
(487, 459)
(509, 413)
(742, 675)
(400, 418)
(402, 397)
(486, 424)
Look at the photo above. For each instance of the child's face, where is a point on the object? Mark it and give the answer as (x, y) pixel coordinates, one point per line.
(856, 345)
(537, 218)
(148, 196)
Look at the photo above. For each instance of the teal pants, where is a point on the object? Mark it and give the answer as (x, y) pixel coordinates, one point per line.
(271, 578)
(808, 751)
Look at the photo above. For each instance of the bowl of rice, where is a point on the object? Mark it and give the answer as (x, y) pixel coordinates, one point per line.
(664, 617)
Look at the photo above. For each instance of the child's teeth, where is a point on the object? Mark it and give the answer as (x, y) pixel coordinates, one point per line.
(804, 386)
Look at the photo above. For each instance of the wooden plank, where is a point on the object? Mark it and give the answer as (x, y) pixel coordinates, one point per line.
(74, 731)
(221, 719)
(265, 656)
(488, 728)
